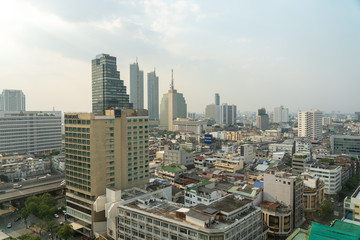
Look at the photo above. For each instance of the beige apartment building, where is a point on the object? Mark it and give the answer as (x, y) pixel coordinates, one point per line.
(102, 151)
(287, 189)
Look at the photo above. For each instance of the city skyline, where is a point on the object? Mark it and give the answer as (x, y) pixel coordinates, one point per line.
(267, 54)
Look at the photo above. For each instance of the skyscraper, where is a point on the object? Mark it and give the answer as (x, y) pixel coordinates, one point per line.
(136, 86)
(218, 108)
(109, 151)
(12, 101)
(262, 119)
(281, 115)
(173, 105)
(153, 96)
(228, 114)
(310, 124)
(108, 91)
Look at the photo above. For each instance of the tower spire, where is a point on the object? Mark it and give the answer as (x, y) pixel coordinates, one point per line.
(172, 80)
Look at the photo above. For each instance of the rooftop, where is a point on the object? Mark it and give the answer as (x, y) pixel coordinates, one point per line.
(166, 209)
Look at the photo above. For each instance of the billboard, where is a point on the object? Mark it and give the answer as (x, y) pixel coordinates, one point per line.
(208, 139)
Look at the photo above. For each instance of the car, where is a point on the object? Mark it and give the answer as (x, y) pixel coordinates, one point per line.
(64, 212)
(9, 225)
(55, 215)
(17, 219)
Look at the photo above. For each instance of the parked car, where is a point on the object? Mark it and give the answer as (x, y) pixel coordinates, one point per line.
(9, 225)
(17, 219)
(55, 215)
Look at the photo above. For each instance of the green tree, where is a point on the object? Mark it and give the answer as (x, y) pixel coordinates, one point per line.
(43, 207)
(28, 237)
(50, 228)
(25, 213)
(326, 207)
(65, 231)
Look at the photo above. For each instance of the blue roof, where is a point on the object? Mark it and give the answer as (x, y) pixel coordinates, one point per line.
(261, 161)
(259, 184)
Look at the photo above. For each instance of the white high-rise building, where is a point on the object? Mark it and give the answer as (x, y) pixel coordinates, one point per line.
(281, 115)
(136, 86)
(310, 124)
(12, 100)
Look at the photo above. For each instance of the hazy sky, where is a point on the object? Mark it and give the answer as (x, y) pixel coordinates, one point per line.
(300, 54)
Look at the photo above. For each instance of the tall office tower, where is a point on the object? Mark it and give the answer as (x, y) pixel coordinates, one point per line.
(357, 115)
(217, 99)
(30, 132)
(12, 100)
(210, 112)
(213, 111)
(108, 91)
(136, 86)
(153, 96)
(310, 124)
(281, 115)
(262, 119)
(218, 108)
(228, 114)
(108, 151)
(173, 105)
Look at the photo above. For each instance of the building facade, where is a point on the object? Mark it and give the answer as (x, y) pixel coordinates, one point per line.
(342, 144)
(153, 96)
(153, 218)
(108, 91)
(281, 115)
(228, 114)
(12, 100)
(352, 206)
(102, 151)
(330, 174)
(30, 132)
(173, 106)
(262, 119)
(299, 162)
(136, 86)
(310, 124)
(280, 186)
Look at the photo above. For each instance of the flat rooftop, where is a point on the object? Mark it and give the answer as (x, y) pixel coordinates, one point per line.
(163, 208)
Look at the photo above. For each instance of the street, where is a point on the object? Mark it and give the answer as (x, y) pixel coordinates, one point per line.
(18, 228)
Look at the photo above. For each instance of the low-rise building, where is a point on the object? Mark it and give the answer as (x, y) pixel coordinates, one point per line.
(201, 193)
(299, 162)
(177, 155)
(282, 147)
(229, 165)
(153, 218)
(171, 173)
(303, 145)
(314, 194)
(352, 206)
(189, 125)
(330, 174)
